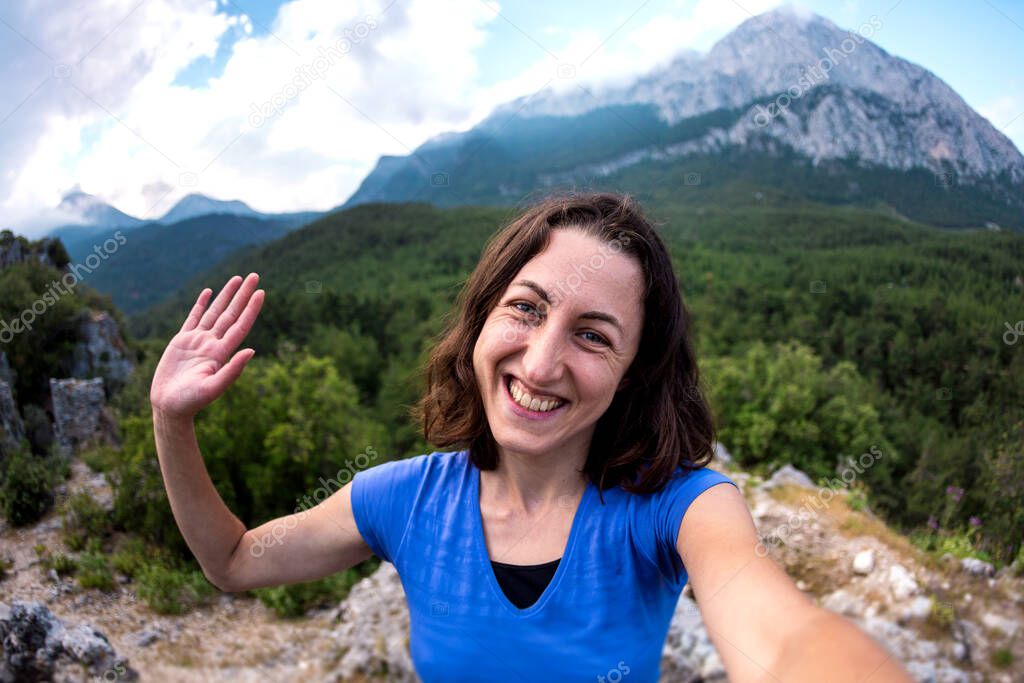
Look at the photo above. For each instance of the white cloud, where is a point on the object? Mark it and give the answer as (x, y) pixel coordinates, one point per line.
(1006, 113)
(375, 83)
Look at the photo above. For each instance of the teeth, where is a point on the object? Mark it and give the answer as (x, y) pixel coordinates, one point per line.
(525, 400)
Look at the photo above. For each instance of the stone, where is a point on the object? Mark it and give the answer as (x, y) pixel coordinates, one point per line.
(788, 475)
(12, 428)
(902, 582)
(977, 567)
(39, 646)
(721, 454)
(100, 350)
(1000, 623)
(80, 414)
(864, 562)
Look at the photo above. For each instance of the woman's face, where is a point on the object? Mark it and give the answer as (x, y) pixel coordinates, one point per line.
(563, 334)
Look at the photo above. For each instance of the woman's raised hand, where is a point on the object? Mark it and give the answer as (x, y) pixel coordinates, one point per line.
(195, 368)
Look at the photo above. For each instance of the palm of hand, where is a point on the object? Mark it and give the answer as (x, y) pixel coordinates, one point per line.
(197, 366)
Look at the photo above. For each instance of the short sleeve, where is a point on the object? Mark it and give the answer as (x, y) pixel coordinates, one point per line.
(382, 500)
(664, 515)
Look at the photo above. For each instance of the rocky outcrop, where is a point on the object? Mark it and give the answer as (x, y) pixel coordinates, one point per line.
(81, 417)
(16, 249)
(37, 646)
(12, 429)
(100, 350)
(374, 635)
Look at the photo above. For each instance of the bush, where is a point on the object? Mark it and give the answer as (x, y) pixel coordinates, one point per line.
(1002, 658)
(64, 565)
(169, 589)
(941, 614)
(131, 557)
(27, 489)
(296, 599)
(94, 569)
(84, 520)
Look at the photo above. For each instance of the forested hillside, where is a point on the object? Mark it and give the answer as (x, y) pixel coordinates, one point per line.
(823, 332)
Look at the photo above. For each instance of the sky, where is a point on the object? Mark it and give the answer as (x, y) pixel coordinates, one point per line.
(141, 102)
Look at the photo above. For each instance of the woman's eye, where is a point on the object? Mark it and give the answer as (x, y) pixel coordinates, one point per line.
(597, 338)
(517, 304)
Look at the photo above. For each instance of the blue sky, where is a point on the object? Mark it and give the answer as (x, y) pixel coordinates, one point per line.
(144, 103)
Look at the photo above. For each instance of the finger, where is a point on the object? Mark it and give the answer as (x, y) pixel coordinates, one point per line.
(220, 303)
(236, 333)
(238, 303)
(229, 372)
(197, 311)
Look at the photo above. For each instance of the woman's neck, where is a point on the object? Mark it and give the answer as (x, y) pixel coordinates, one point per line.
(528, 485)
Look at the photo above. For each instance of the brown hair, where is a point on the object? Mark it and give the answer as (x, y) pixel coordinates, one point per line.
(657, 422)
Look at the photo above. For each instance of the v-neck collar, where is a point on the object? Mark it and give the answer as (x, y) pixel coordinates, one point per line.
(481, 548)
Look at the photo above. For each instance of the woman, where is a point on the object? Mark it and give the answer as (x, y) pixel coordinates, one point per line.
(552, 544)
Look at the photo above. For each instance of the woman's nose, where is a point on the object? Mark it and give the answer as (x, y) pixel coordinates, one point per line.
(542, 362)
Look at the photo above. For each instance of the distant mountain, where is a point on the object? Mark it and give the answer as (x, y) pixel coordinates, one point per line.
(788, 92)
(193, 205)
(86, 209)
(155, 260)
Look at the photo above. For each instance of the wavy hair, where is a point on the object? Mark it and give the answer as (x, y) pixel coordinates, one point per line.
(658, 421)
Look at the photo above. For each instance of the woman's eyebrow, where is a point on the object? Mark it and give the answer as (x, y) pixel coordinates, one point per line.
(592, 315)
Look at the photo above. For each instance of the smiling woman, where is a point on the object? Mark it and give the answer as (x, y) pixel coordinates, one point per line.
(552, 537)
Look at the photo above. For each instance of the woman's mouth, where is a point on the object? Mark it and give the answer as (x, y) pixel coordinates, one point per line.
(527, 405)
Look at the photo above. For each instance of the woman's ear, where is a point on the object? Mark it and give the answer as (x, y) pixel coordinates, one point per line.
(623, 383)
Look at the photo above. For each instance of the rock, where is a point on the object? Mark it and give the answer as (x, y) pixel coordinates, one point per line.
(39, 646)
(902, 582)
(53, 576)
(100, 351)
(864, 562)
(12, 428)
(6, 374)
(81, 417)
(374, 633)
(147, 637)
(787, 474)
(688, 653)
(917, 609)
(843, 602)
(977, 567)
(959, 652)
(721, 454)
(999, 623)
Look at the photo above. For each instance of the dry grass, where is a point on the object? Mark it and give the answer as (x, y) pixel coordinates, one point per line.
(849, 522)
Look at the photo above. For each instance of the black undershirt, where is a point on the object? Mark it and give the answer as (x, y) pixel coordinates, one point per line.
(524, 583)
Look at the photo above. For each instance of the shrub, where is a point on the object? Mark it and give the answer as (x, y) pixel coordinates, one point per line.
(64, 565)
(169, 589)
(84, 519)
(296, 599)
(1002, 658)
(27, 489)
(941, 614)
(94, 569)
(131, 557)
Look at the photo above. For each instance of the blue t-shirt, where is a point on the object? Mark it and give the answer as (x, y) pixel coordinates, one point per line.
(605, 613)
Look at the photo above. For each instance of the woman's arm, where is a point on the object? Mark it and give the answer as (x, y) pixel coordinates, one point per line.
(210, 529)
(831, 648)
(764, 628)
(197, 367)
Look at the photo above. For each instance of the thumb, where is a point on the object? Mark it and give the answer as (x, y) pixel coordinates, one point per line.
(230, 371)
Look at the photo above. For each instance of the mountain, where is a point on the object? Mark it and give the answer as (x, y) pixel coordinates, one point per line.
(155, 260)
(194, 204)
(788, 92)
(86, 209)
